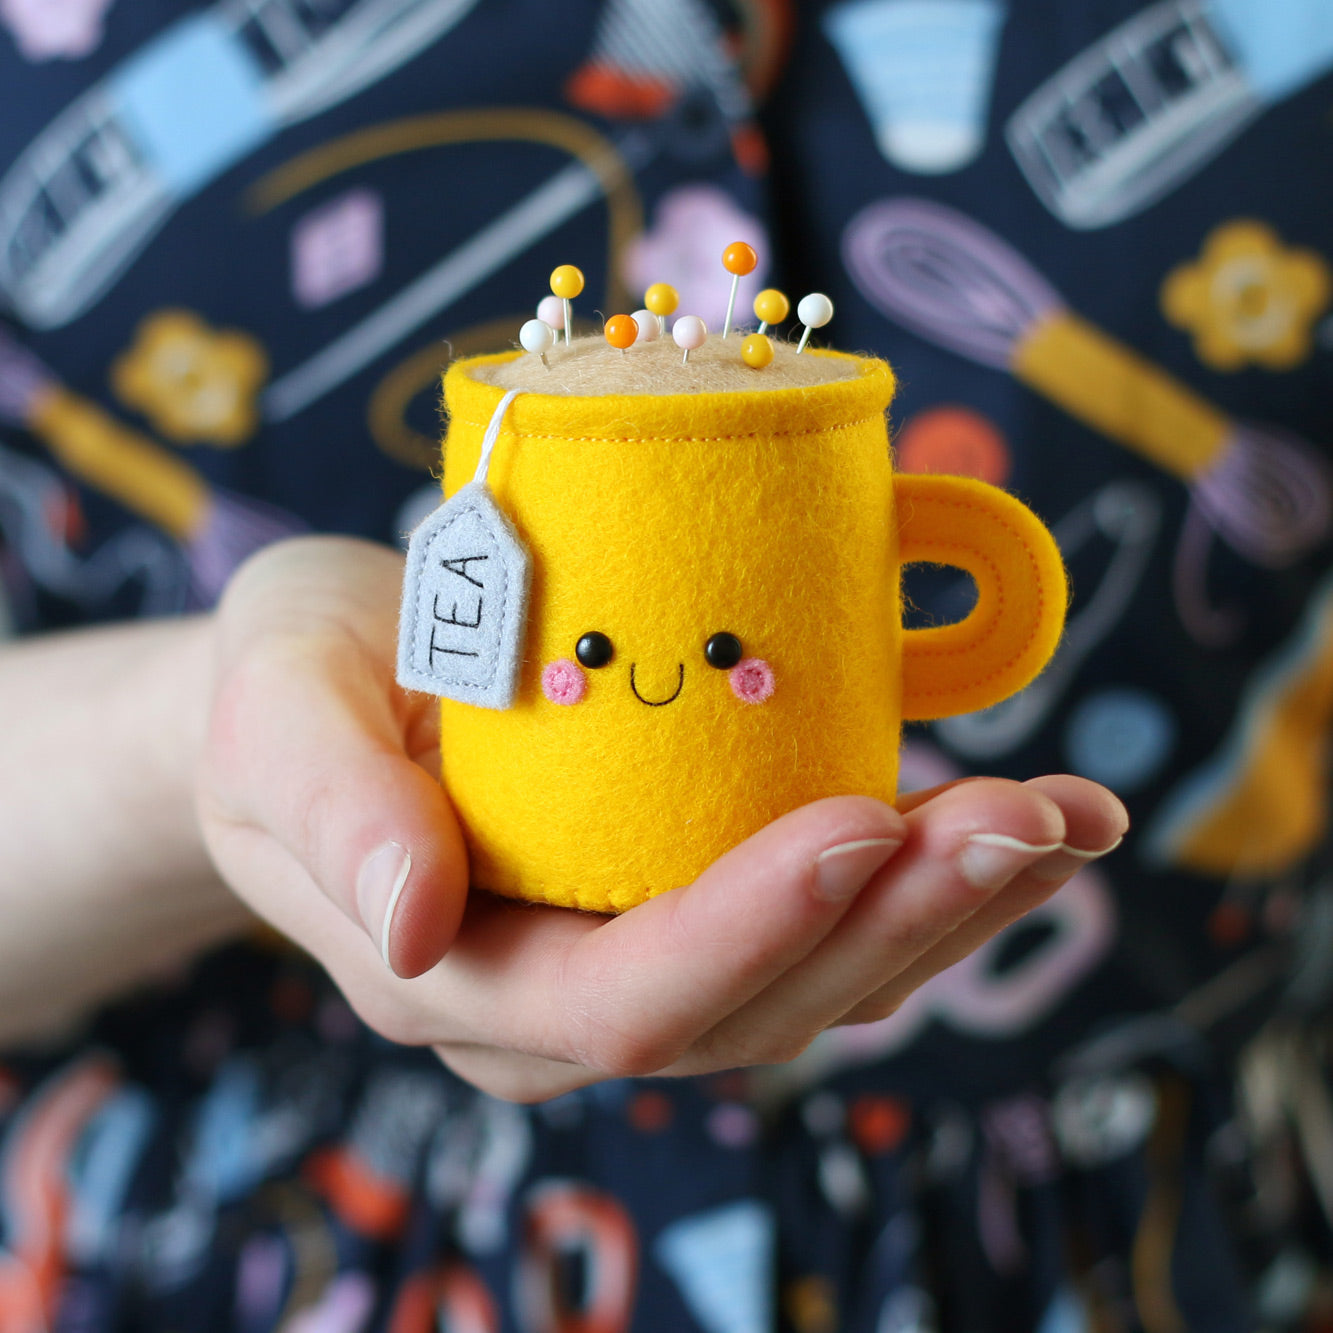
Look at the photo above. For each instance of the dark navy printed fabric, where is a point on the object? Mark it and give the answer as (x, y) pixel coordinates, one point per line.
(237, 245)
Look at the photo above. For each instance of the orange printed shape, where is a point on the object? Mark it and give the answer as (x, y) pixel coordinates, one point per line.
(1249, 299)
(564, 1218)
(192, 381)
(122, 463)
(1261, 804)
(1113, 389)
(1014, 627)
(369, 1203)
(619, 94)
(953, 440)
(452, 1299)
(36, 1190)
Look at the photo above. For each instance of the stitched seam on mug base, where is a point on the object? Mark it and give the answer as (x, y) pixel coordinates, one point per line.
(681, 439)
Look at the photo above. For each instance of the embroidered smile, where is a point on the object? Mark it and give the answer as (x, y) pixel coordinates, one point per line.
(566, 682)
(659, 703)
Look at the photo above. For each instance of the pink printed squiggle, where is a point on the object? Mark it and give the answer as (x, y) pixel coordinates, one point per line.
(1209, 625)
(946, 277)
(22, 378)
(1267, 495)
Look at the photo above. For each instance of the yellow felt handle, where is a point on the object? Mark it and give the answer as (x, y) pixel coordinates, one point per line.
(1013, 629)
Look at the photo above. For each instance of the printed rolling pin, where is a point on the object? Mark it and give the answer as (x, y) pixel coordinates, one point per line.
(661, 603)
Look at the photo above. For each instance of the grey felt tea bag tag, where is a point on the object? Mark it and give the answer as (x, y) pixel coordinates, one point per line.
(465, 595)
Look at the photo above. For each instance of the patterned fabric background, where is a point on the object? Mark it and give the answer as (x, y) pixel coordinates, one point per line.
(239, 241)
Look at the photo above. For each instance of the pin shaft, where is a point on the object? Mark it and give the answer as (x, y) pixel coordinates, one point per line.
(731, 303)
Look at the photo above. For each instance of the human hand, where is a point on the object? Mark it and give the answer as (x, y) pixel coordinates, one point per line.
(319, 802)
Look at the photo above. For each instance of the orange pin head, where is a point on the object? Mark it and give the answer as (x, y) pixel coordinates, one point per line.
(567, 281)
(771, 306)
(621, 331)
(756, 351)
(739, 259)
(661, 298)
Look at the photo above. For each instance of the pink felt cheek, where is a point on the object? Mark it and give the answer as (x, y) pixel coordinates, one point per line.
(563, 682)
(751, 680)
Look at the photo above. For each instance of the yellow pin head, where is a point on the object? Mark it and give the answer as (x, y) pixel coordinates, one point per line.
(567, 281)
(771, 306)
(756, 351)
(661, 298)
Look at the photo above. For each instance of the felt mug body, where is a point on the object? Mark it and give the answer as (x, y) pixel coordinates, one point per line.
(660, 522)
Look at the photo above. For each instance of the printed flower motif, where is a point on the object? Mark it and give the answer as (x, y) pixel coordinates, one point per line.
(691, 228)
(195, 383)
(52, 29)
(1248, 298)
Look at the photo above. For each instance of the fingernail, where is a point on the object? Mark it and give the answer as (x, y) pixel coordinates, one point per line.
(843, 871)
(378, 888)
(990, 860)
(1066, 860)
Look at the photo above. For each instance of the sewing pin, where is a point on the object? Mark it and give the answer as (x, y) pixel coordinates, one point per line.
(537, 336)
(662, 299)
(567, 283)
(689, 331)
(756, 351)
(738, 259)
(621, 331)
(649, 329)
(770, 307)
(551, 310)
(814, 311)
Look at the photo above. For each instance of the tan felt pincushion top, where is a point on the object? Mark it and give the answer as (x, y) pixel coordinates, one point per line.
(591, 367)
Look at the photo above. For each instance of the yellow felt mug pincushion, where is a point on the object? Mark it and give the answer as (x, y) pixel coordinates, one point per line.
(735, 558)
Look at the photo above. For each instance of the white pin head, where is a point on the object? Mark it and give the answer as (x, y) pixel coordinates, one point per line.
(814, 311)
(689, 332)
(537, 336)
(648, 326)
(551, 310)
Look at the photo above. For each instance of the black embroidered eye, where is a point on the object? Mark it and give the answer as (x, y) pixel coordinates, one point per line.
(594, 650)
(723, 651)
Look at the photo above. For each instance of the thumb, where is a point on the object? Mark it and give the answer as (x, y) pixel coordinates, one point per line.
(308, 749)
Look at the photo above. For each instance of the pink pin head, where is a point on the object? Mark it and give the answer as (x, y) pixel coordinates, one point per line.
(751, 680)
(689, 331)
(563, 682)
(551, 310)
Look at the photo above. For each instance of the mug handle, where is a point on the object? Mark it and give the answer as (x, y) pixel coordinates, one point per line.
(1012, 631)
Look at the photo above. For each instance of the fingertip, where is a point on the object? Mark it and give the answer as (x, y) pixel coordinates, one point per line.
(424, 918)
(831, 847)
(1095, 817)
(836, 830)
(411, 887)
(989, 807)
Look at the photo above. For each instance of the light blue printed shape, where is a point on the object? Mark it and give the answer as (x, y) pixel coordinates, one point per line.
(224, 1160)
(1280, 44)
(102, 1170)
(193, 101)
(723, 1263)
(923, 71)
